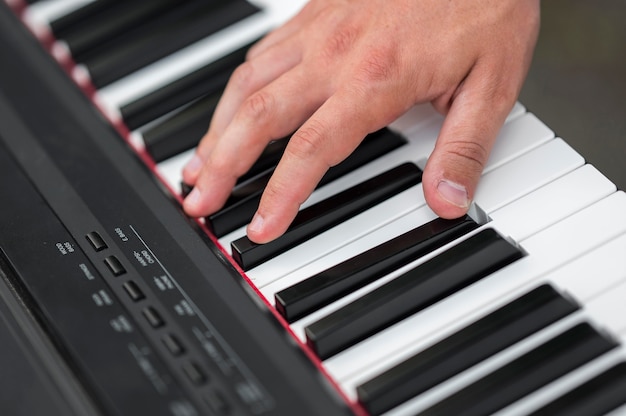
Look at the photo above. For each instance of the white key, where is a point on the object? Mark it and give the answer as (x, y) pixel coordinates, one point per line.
(522, 175)
(548, 250)
(603, 307)
(572, 192)
(142, 82)
(511, 181)
(521, 133)
(518, 136)
(606, 312)
(459, 381)
(554, 390)
(39, 15)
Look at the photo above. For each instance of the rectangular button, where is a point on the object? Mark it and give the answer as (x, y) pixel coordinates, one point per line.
(173, 344)
(153, 317)
(194, 373)
(114, 265)
(133, 291)
(96, 241)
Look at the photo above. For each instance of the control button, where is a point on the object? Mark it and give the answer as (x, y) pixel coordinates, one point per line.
(96, 241)
(114, 265)
(217, 402)
(133, 291)
(173, 344)
(153, 317)
(194, 373)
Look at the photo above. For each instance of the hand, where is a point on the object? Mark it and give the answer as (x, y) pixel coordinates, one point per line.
(341, 69)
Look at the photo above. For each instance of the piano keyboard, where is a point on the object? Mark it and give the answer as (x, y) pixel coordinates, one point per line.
(521, 312)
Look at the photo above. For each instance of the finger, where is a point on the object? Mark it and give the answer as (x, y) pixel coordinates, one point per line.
(247, 79)
(326, 139)
(468, 133)
(271, 113)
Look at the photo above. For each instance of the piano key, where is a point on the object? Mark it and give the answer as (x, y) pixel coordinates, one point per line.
(458, 267)
(244, 199)
(64, 22)
(179, 64)
(399, 215)
(101, 22)
(601, 310)
(520, 134)
(513, 144)
(578, 241)
(179, 131)
(511, 181)
(599, 395)
(335, 282)
(268, 159)
(38, 15)
(529, 372)
(486, 337)
(208, 79)
(381, 223)
(318, 218)
(160, 37)
(541, 396)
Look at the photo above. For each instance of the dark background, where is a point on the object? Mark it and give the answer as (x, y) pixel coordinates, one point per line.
(577, 82)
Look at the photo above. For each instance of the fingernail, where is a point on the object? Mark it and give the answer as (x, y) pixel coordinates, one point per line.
(454, 193)
(256, 225)
(194, 165)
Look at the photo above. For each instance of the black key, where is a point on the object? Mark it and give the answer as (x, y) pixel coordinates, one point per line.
(240, 208)
(256, 177)
(185, 189)
(208, 79)
(64, 23)
(162, 36)
(467, 347)
(182, 130)
(600, 395)
(526, 374)
(320, 217)
(267, 162)
(428, 283)
(101, 21)
(337, 281)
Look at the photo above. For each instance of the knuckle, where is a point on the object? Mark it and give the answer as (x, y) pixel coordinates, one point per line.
(307, 142)
(470, 155)
(259, 106)
(377, 66)
(242, 75)
(220, 167)
(340, 41)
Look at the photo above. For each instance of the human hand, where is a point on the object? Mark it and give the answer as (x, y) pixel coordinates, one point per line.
(341, 69)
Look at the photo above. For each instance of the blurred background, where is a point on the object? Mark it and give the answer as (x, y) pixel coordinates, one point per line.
(577, 83)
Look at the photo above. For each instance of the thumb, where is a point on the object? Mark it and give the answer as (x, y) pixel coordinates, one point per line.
(468, 133)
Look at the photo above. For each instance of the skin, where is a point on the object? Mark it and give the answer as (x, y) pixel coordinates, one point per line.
(341, 69)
